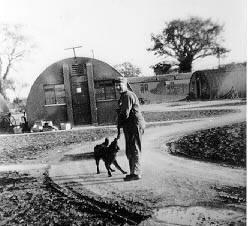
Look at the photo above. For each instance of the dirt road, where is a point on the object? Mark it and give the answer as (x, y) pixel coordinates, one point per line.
(177, 190)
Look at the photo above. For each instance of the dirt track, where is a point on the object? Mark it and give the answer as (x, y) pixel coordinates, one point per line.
(167, 182)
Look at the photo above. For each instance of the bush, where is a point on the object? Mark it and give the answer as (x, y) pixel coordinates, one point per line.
(222, 144)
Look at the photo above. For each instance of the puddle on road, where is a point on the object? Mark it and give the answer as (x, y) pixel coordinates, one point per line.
(197, 215)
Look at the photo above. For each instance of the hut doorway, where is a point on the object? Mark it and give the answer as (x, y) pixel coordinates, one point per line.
(202, 88)
(199, 87)
(81, 103)
(80, 95)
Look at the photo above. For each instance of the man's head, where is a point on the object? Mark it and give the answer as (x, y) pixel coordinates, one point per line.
(121, 84)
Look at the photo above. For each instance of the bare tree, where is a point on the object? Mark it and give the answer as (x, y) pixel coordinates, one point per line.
(14, 46)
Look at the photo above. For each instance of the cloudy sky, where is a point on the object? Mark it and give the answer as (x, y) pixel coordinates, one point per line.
(114, 30)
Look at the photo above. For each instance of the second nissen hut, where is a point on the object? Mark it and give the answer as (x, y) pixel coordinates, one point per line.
(76, 90)
(218, 83)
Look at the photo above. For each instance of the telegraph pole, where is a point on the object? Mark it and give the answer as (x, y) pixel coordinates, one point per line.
(92, 51)
(1, 80)
(218, 56)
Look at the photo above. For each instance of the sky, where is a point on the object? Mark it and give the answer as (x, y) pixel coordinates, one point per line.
(114, 31)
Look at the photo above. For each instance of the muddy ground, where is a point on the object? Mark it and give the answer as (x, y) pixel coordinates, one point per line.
(32, 198)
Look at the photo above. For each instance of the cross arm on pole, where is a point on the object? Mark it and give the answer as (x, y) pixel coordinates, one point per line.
(73, 48)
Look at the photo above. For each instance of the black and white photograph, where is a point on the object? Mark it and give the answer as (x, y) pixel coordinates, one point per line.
(123, 112)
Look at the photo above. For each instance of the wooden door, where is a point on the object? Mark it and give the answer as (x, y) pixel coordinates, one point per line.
(80, 96)
(198, 88)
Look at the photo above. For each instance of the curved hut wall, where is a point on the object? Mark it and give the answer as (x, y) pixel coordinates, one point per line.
(76, 90)
(204, 85)
(216, 83)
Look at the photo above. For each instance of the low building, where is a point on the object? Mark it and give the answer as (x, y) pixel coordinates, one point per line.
(76, 90)
(161, 88)
(218, 83)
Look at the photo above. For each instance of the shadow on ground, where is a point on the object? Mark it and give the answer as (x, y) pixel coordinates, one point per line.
(77, 157)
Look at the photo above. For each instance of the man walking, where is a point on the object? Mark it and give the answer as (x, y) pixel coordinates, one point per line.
(133, 124)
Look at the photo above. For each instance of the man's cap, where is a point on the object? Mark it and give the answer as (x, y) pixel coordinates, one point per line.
(121, 80)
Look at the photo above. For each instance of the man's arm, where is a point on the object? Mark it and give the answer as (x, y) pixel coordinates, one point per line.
(118, 124)
(125, 109)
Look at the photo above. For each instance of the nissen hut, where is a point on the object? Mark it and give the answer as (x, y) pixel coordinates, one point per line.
(76, 90)
(161, 88)
(218, 83)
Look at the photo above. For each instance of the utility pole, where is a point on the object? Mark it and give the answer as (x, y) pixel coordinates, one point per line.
(218, 56)
(92, 53)
(73, 48)
(1, 81)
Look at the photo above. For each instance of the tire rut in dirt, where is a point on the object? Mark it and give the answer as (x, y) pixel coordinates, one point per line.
(113, 212)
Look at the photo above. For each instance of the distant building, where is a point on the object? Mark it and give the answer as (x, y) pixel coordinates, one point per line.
(218, 83)
(161, 88)
(76, 90)
(227, 82)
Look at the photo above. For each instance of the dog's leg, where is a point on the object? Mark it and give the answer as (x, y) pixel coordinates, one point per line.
(118, 167)
(97, 166)
(112, 170)
(108, 169)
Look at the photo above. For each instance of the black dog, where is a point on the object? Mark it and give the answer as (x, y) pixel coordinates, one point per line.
(108, 155)
(99, 152)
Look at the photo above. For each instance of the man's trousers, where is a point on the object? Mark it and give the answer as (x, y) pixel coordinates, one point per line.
(133, 136)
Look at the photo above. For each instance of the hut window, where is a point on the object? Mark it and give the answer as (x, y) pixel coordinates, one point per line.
(100, 95)
(109, 91)
(54, 94)
(105, 90)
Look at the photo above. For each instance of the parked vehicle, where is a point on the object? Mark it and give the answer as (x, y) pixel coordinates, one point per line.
(43, 126)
